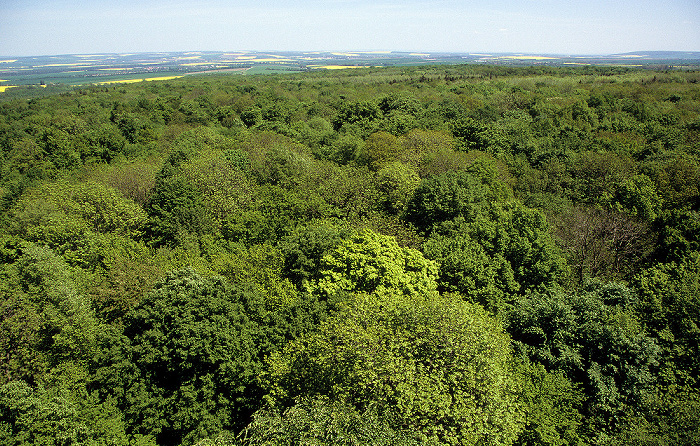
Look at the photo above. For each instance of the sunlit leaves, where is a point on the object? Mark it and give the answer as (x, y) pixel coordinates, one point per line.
(370, 262)
(436, 366)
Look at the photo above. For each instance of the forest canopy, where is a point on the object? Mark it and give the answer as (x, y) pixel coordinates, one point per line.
(433, 255)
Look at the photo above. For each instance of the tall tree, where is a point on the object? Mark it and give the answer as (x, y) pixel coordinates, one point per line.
(436, 367)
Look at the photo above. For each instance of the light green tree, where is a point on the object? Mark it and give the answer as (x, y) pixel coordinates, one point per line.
(370, 262)
(435, 366)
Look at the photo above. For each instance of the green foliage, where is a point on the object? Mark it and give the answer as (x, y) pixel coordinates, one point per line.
(193, 192)
(59, 412)
(176, 209)
(272, 215)
(135, 128)
(597, 174)
(251, 117)
(134, 180)
(301, 190)
(672, 419)
(278, 160)
(471, 134)
(322, 422)
(679, 235)
(379, 149)
(552, 405)
(362, 114)
(92, 226)
(186, 366)
(397, 182)
(305, 248)
(350, 190)
(465, 193)
(192, 357)
(45, 319)
(259, 265)
(466, 267)
(677, 178)
(496, 253)
(92, 206)
(370, 262)
(130, 270)
(435, 366)
(595, 339)
(669, 305)
(346, 148)
(638, 196)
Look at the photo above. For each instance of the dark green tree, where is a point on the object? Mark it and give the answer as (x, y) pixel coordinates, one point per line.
(186, 365)
(596, 341)
(467, 193)
(304, 249)
(504, 251)
(190, 357)
(361, 113)
(176, 207)
(669, 306)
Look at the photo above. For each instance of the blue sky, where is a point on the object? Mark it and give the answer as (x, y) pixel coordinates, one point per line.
(31, 27)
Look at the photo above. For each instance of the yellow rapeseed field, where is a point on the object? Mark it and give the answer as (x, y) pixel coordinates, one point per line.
(133, 81)
(5, 87)
(256, 59)
(336, 67)
(527, 57)
(76, 64)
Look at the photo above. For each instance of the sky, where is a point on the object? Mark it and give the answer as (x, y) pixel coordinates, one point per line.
(586, 27)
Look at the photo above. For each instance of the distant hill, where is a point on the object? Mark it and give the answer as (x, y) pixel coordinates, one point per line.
(665, 55)
(63, 71)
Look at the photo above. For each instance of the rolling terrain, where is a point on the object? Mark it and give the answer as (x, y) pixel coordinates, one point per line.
(81, 69)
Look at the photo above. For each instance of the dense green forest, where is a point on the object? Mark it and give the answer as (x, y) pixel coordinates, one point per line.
(448, 255)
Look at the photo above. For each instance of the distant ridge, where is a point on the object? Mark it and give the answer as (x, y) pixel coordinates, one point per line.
(675, 55)
(104, 69)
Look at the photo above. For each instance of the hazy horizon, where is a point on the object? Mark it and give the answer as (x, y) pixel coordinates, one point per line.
(33, 28)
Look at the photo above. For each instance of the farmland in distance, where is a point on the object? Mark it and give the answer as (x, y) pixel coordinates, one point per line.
(66, 71)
